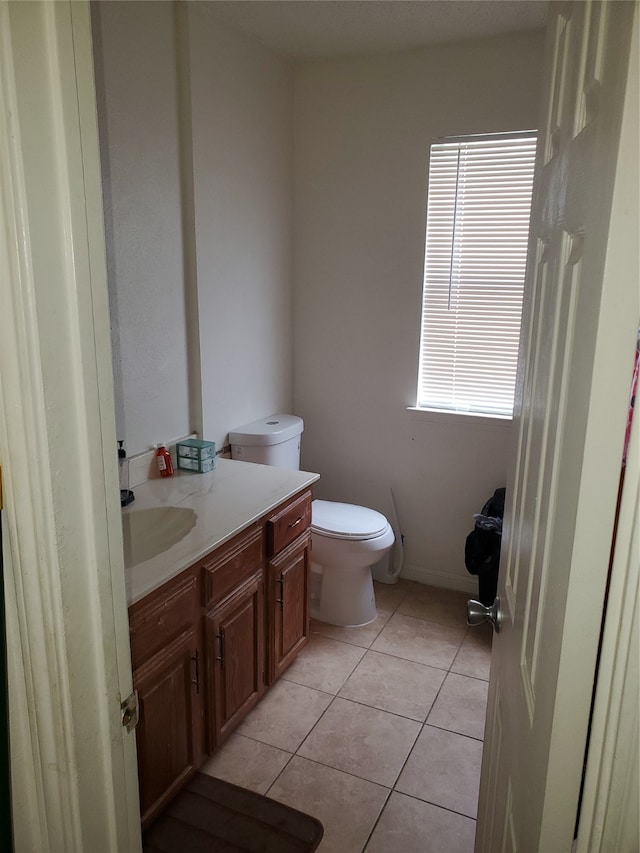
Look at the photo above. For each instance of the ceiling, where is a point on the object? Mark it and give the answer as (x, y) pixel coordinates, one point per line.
(306, 29)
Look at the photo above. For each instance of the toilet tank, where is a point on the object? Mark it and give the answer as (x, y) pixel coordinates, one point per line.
(274, 440)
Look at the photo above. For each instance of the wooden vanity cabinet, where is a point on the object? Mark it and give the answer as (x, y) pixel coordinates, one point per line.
(166, 651)
(205, 645)
(289, 545)
(233, 584)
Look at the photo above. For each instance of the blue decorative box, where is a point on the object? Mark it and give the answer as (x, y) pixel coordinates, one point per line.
(194, 454)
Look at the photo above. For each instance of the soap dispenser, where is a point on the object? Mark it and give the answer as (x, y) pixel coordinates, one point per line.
(126, 495)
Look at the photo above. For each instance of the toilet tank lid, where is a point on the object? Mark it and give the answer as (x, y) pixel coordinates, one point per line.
(273, 429)
(346, 520)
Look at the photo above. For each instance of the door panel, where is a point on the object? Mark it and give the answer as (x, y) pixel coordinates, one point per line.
(235, 651)
(293, 589)
(569, 419)
(289, 604)
(169, 731)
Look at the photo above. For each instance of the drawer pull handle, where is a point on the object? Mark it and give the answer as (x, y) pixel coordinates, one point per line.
(296, 522)
(220, 639)
(196, 659)
(280, 600)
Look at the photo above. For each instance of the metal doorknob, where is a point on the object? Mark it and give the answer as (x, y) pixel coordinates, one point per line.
(478, 613)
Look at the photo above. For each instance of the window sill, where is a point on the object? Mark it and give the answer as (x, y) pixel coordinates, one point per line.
(470, 419)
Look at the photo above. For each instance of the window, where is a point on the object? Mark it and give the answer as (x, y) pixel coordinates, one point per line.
(478, 209)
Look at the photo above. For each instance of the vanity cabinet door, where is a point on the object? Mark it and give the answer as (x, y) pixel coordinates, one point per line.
(288, 604)
(234, 632)
(169, 734)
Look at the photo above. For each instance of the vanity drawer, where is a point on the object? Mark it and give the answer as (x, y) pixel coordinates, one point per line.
(231, 564)
(161, 617)
(288, 524)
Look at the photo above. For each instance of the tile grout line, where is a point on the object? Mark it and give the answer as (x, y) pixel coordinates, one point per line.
(421, 723)
(435, 805)
(377, 821)
(338, 770)
(422, 728)
(335, 696)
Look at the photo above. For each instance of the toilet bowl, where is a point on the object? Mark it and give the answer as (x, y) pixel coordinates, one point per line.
(346, 539)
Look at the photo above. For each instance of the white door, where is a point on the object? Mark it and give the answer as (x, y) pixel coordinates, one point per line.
(577, 347)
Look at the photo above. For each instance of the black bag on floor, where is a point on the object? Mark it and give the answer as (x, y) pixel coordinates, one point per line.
(482, 547)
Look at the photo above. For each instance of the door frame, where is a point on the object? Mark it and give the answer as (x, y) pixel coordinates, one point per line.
(74, 773)
(608, 818)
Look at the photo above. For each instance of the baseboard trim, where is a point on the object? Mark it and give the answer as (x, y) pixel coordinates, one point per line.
(441, 579)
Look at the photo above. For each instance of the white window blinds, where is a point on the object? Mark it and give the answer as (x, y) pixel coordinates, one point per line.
(478, 209)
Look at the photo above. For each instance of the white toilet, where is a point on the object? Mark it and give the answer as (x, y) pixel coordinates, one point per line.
(346, 539)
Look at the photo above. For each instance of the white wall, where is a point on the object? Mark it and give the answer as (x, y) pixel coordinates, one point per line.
(196, 146)
(362, 134)
(242, 114)
(203, 132)
(136, 83)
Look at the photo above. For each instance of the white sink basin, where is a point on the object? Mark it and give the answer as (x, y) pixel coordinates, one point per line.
(149, 532)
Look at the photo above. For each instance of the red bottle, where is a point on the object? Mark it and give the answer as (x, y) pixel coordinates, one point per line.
(163, 459)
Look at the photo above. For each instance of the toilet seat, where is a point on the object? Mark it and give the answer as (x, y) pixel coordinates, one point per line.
(346, 521)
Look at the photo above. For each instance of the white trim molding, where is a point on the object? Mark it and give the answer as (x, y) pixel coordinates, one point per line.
(74, 780)
(609, 814)
(445, 580)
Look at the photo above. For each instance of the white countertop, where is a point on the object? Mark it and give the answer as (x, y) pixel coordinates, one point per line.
(212, 508)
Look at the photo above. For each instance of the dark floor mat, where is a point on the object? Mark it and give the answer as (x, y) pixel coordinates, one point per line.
(212, 815)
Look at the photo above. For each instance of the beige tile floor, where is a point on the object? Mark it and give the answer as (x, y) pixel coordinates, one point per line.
(376, 731)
